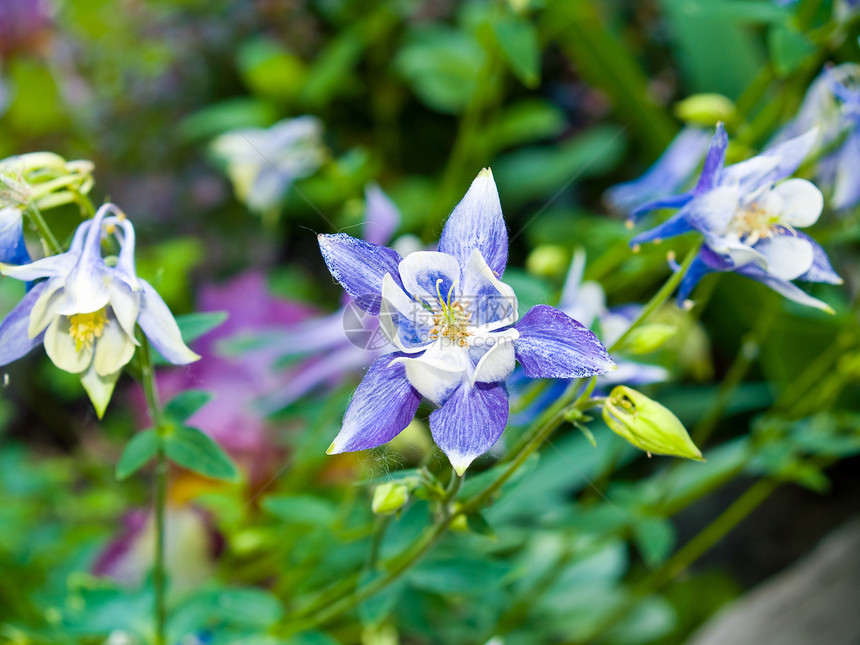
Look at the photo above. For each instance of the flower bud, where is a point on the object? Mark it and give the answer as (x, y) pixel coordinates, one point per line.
(548, 260)
(647, 424)
(649, 338)
(705, 109)
(389, 498)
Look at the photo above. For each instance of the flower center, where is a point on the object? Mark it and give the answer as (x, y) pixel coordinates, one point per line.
(85, 328)
(753, 223)
(451, 321)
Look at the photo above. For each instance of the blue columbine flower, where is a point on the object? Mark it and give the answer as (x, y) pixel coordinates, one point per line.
(832, 104)
(455, 327)
(749, 214)
(85, 310)
(668, 175)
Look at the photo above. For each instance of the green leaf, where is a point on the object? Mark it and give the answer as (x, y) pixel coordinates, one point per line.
(140, 449)
(540, 171)
(519, 43)
(655, 539)
(269, 69)
(190, 448)
(379, 606)
(193, 326)
(230, 114)
(332, 70)
(461, 575)
(301, 509)
(788, 49)
(185, 404)
(442, 66)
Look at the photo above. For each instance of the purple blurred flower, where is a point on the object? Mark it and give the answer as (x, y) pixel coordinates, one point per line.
(342, 343)
(668, 175)
(231, 418)
(452, 322)
(25, 26)
(191, 546)
(749, 214)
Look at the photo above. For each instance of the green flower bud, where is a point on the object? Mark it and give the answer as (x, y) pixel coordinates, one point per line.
(389, 498)
(649, 338)
(647, 424)
(548, 260)
(705, 109)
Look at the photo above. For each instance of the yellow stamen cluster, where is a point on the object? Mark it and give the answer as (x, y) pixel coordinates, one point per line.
(85, 328)
(452, 320)
(753, 223)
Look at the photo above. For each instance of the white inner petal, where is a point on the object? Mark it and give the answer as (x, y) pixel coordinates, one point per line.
(429, 274)
(403, 321)
(802, 203)
(493, 304)
(62, 350)
(113, 349)
(787, 256)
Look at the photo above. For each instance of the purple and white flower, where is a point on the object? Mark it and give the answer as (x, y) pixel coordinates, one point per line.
(454, 324)
(85, 310)
(749, 214)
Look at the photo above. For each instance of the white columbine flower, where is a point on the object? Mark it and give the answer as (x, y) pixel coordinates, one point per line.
(86, 309)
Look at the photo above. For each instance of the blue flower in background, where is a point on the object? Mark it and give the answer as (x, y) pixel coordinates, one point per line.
(749, 214)
(668, 175)
(455, 326)
(832, 104)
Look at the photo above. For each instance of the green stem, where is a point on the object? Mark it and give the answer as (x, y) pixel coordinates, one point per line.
(155, 412)
(43, 230)
(743, 360)
(710, 535)
(659, 298)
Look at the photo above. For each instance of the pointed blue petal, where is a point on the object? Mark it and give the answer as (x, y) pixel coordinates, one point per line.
(675, 225)
(675, 201)
(160, 327)
(821, 270)
(381, 217)
(470, 422)
(770, 166)
(14, 340)
(12, 247)
(477, 223)
(554, 345)
(784, 287)
(668, 174)
(382, 406)
(359, 267)
(714, 161)
(698, 269)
